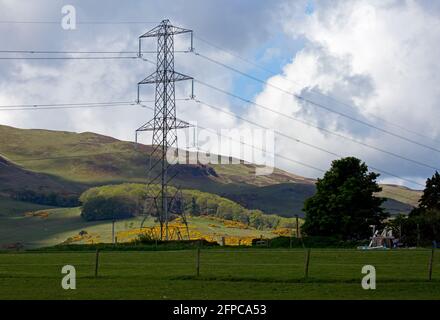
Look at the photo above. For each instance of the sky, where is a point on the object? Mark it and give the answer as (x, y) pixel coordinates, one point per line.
(368, 70)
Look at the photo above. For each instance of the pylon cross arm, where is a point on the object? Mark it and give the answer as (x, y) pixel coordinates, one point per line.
(171, 76)
(164, 30)
(179, 124)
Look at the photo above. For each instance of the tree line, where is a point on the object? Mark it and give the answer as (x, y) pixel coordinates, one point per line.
(46, 198)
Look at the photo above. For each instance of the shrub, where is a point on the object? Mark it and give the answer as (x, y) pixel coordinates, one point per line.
(102, 208)
(314, 242)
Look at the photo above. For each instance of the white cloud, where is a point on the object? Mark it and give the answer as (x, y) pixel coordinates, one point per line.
(76, 81)
(379, 56)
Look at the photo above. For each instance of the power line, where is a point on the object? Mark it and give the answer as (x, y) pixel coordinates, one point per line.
(71, 52)
(67, 58)
(273, 73)
(299, 141)
(62, 108)
(78, 52)
(310, 124)
(76, 105)
(81, 52)
(78, 22)
(319, 105)
(66, 104)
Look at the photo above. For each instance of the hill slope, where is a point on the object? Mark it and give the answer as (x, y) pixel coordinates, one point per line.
(71, 162)
(22, 184)
(51, 227)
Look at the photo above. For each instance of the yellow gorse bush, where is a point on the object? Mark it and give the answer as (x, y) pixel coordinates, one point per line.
(178, 231)
(284, 232)
(40, 214)
(86, 238)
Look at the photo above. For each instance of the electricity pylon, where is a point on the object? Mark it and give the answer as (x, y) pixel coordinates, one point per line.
(164, 125)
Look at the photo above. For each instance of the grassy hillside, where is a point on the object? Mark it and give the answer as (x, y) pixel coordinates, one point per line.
(10, 207)
(50, 227)
(22, 184)
(84, 157)
(45, 159)
(96, 159)
(287, 199)
(401, 194)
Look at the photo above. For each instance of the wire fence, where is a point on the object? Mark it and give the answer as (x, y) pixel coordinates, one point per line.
(266, 265)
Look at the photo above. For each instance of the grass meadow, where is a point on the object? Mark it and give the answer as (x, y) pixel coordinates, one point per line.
(225, 273)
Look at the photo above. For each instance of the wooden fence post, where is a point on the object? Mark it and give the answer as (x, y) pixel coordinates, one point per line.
(96, 263)
(431, 262)
(306, 266)
(297, 226)
(198, 262)
(113, 231)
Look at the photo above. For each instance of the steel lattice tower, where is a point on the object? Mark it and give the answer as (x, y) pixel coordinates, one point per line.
(164, 125)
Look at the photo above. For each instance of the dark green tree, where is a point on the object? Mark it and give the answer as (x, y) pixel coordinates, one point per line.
(104, 208)
(427, 214)
(431, 195)
(344, 205)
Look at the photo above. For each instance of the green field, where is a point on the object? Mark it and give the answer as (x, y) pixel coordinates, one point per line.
(224, 274)
(63, 223)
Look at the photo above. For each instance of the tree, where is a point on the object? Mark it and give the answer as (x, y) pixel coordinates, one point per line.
(430, 199)
(427, 214)
(344, 205)
(104, 208)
